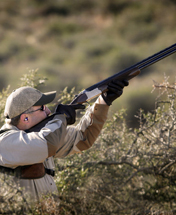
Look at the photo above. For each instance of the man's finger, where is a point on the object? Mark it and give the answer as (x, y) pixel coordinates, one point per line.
(113, 87)
(117, 82)
(78, 106)
(126, 82)
(122, 83)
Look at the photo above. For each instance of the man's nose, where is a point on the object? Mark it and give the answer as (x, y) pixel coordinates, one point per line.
(47, 111)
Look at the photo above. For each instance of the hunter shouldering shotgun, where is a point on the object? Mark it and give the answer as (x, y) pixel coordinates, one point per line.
(32, 137)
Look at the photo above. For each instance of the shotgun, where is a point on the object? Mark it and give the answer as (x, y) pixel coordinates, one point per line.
(129, 73)
(100, 87)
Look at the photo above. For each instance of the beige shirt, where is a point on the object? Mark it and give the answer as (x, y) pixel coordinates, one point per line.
(56, 139)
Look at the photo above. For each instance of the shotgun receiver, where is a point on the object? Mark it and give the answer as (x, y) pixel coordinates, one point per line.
(129, 73)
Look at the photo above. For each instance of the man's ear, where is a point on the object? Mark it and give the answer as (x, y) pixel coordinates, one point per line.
(24, 118)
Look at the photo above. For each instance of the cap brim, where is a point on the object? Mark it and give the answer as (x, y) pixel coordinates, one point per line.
(46, 98)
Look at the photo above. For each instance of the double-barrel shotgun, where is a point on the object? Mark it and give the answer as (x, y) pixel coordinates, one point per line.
(129, 73)
(100, 87)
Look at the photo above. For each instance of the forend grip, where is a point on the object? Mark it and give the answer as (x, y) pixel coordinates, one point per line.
(96, 89)
(130, 74)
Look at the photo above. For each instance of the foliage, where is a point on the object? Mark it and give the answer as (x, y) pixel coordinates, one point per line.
(3, 96)
(78, 43)
(32, 79)
(12, 199)
(126, 171)
(66, 97)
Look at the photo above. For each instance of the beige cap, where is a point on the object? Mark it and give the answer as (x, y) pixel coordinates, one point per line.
(23, 98)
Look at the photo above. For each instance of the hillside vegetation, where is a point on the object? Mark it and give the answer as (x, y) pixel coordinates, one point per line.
(53, 44)
(125, 172)
(78, 43)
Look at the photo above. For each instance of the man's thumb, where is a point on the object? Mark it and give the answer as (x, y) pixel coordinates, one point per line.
(78, 106)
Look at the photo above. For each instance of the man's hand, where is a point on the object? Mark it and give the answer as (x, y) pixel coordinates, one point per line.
(115, 90)
(69, 111)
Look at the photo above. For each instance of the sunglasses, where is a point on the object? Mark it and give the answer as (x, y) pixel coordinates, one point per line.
(42, 108)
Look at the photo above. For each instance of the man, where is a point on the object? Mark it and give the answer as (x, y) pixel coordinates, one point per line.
(29, 154)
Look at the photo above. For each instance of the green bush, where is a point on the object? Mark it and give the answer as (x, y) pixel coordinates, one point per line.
(125, 172)
(78, 43)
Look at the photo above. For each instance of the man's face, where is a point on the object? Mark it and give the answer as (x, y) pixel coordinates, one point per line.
(33, 117)
(39, 113)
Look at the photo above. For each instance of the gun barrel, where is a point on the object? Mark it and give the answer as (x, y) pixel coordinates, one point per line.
(157, 58)
(159, 55)
(128, 73)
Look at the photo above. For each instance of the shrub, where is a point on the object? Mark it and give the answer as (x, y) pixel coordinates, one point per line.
(126, 171)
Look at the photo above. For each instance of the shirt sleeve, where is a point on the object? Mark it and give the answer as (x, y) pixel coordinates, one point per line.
(86, 132)
(91, 132)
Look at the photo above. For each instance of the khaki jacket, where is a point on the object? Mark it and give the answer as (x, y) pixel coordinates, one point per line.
(55, 140)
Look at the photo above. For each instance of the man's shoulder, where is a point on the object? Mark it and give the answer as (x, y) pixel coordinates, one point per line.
(7, 127)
